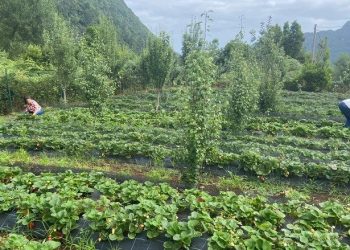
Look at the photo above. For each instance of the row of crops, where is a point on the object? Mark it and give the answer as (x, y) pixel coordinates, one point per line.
(305, 138)
(112, 211)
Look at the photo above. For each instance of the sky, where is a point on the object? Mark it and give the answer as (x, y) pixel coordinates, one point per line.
(229, 16)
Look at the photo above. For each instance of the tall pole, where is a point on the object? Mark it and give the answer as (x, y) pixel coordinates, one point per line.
(314, 44)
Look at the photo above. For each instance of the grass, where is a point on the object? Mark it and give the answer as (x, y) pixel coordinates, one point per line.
(3, 120)
(238, 183)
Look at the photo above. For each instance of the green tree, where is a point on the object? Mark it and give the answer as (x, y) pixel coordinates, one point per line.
(270, 57)
(193, 39)
(277, 34)
(95, 84)
(104, 34)
(61, 48)
(244, 87)
(157, 62)
(201, 116)
(293, 40)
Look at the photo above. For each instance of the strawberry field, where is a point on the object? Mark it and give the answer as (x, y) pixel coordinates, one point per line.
(57, 207)
(305, 140)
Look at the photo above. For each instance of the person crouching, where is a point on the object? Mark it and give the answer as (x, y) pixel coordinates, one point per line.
(344, 107)
(32, 107)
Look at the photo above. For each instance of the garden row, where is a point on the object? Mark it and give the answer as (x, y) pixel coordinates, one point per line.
(260, 158)
(316, 148)
(115, 211)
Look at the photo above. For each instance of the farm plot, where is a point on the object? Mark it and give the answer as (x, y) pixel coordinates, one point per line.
(305, 138)
(49, 209)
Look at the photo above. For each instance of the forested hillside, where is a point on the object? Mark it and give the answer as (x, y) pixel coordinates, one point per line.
(82, 13)
(23, 22)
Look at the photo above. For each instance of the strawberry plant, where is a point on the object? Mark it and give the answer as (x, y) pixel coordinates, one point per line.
(181, 234)
(15, 241)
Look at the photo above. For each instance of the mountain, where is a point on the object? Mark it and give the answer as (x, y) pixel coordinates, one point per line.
(23, 22)
(338, 40)
(82, 13)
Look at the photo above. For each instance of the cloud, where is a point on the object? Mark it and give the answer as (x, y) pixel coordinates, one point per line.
(228, 15)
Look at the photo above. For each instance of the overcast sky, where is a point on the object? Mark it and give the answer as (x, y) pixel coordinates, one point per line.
(172, 16)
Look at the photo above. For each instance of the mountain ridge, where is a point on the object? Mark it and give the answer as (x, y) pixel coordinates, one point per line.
(338, 40)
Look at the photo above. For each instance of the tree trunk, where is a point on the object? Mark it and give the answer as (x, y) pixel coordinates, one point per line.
(158, 100)
(64, 92)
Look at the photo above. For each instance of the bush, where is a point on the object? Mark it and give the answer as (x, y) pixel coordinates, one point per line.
(315, 78)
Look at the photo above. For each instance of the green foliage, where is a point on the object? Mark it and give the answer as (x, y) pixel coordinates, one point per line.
(202, 120)
(84, 13)
(293, 70)
(23, 23)
(23, 77)
(244, 87)
(314, 77)
(127, 209)
(94, 80)
(270, 57)
(104, 35)
(293, 40)
(342, 71)
(317, 76)
(156, 62)
(6, 94)
(61, 48)
(15, 241)
(226, 59)
(129, 74)
(193, 39)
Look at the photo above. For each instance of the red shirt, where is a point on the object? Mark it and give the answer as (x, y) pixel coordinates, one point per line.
(33, 106)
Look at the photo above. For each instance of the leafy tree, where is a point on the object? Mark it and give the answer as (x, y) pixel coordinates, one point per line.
(193, 39)
(61, 48)
(270, 57)
(293, 40)
(202, 120)
(105, 36)
(157, 61)
(244, 87)
(94, 81)
(277, 34)
(226, 57)
(214, 50)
